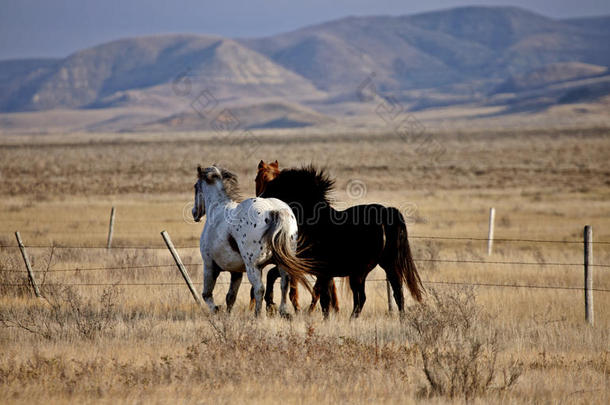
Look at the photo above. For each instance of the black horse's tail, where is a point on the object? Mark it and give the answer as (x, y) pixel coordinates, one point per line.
(397, 253)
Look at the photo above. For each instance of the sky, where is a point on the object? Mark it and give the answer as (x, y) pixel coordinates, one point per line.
(56, 28)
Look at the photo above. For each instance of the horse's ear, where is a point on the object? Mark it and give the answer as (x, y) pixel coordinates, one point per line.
(275, 164)
(261, 164)
(199, 171)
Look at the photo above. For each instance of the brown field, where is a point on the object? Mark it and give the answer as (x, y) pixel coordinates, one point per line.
(150, 343)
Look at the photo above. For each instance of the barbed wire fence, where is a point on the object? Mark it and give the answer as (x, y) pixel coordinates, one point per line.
(587, 263)
(420, 260)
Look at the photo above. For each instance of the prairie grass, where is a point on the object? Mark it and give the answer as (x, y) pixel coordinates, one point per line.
(150, 343)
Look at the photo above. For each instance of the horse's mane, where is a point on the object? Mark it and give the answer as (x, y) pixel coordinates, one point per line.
(306, 185)
(229, 183)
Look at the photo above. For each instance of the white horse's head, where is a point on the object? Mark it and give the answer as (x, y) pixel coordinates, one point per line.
(224, 182)
(204, 176)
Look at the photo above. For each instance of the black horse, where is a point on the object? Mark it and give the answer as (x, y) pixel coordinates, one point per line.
(346, 243)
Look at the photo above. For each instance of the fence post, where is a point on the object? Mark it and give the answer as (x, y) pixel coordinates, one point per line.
(389, 291)
(181, 267)
(110, 228)
(490, 234)
(588, 234)
(28, 266)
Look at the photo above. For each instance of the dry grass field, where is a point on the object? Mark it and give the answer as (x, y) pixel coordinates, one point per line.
(116, 340)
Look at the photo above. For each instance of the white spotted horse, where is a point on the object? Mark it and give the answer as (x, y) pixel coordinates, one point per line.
(243, 237)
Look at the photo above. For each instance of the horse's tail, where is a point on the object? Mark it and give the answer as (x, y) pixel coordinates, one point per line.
(397, 253)
(283, 247)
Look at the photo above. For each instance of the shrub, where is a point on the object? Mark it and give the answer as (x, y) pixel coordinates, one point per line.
(12, 281)
(64, 312)
(458, 345)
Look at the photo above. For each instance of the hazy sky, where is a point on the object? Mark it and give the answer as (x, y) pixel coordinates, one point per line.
(31, 28)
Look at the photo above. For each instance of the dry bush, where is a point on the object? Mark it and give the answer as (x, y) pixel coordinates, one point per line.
(64, 313)
(458, 345)
(430, 250)
(13, 282)
(224, 351)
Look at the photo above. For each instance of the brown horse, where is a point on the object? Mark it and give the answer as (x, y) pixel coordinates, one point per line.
(266, 173)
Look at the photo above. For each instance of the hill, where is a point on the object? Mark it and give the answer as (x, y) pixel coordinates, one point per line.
(456, 57)
(131, 71)
(237, 119)
(433, 49)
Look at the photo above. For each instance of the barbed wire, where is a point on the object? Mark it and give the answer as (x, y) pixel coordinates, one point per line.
(500, 240)
(134, 247)
(77, 269)
(511, 263)
(547, 287)
(520, 263)
(480, 239)
(505, 239)
(171, 220)
(424, 260)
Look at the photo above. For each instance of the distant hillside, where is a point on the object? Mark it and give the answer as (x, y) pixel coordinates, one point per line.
(433, 49)
(460, 56)
(593, 24)
(100, 76)
(549, 74)
(266, 115)
(20, 77)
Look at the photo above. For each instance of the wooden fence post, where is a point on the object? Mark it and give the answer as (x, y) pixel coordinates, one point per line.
(28, 266)
(389, 291)
(181, 267)
(110, 228)
(490, 234)
(588, 234)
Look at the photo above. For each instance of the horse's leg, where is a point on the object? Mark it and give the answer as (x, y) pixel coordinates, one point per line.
(315, 294)
(334, 302)
(362, 296)
(272, 275)
(397, 289)
(252, 300)
(210, 274)
(325, 295)
(254, 276)
(357, 285)
(233, 289)
(353, 283)
(294, 295)
(285, 283)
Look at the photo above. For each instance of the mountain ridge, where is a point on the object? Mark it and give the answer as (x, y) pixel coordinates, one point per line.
(417, 58)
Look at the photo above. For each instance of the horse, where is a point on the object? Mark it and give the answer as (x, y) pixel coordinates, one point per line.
(243, 237)
(265, 173)
(348, 243)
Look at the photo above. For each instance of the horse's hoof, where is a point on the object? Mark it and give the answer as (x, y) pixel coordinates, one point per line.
(216, 309)
(286, 315)
(271, 309)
